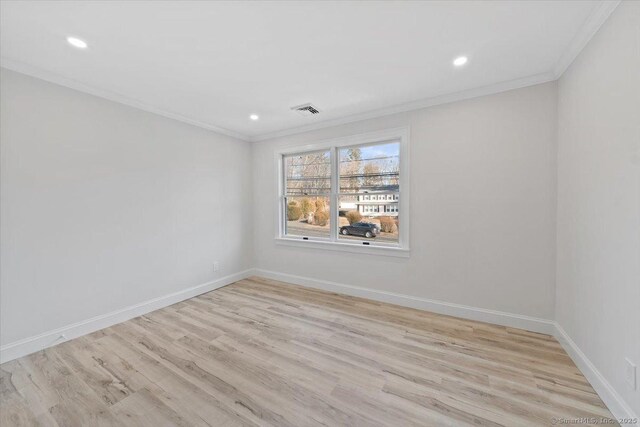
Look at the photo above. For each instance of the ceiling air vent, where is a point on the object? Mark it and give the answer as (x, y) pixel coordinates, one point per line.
(306, 109)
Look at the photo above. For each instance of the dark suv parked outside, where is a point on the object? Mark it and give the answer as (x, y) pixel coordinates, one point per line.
(365, 229)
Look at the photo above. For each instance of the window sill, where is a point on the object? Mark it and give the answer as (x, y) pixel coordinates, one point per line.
(357, 248)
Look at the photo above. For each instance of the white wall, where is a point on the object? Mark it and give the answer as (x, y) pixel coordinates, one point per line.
(598, 266)
(483, 177)
(105, 206)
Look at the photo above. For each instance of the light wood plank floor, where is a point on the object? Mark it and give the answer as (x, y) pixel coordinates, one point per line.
(260, 352)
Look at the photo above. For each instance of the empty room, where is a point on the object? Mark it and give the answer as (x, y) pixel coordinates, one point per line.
(319, 213)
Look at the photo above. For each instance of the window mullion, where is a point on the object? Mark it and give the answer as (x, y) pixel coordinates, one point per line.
(283, 197)
(335, 182)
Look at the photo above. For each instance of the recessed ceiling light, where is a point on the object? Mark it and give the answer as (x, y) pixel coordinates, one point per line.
(254, 117)
(460, 61)
(76, 42)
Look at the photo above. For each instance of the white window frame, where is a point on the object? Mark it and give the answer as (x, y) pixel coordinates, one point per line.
(401, 249)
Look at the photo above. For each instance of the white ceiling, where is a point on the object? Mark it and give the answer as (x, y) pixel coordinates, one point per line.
(215, 63)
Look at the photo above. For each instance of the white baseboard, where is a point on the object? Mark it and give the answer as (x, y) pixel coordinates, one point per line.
(464, 311)
(607, 393)
(618, 407)
(605, 390)
(30, 345)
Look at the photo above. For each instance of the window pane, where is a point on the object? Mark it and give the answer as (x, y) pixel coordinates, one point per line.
(371, 168)
(307, 216)
(308, 173)
(369, 217)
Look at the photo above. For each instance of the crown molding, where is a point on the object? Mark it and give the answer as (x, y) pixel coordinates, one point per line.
(591, 26)
(415, 105)
(51, 77)
(596, 18)
(39, 73)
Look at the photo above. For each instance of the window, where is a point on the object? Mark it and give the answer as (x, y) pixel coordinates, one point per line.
(346, 194)
(307, 194)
